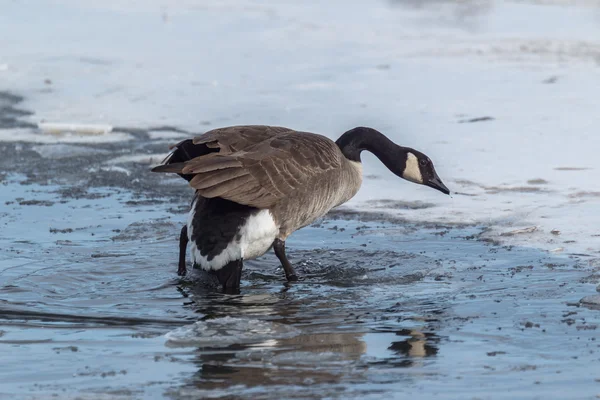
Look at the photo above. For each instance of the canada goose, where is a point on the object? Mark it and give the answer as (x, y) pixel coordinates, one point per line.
(255, 185)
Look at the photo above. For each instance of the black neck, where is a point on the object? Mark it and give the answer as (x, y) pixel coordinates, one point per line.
(353, 142)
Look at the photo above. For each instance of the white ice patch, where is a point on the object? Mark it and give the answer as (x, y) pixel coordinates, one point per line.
(229, 330)
(61, 150)
(167, 135)
(111, 168)
(255, 238)
(31, 136)
(57, 128)
(137, 158)
(411, 170)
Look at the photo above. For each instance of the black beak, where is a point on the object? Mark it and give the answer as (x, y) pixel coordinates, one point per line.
(437, 183)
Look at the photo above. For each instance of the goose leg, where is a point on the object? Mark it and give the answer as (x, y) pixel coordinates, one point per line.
(183, 241)
(279, 247)
(230, 275)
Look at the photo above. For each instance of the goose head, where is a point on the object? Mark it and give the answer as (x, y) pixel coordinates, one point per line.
(418, 168)
(405, 162)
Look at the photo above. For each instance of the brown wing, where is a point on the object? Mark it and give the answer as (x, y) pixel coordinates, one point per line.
(266, 172)
(257, 165)
(222, 140)
(236, 138)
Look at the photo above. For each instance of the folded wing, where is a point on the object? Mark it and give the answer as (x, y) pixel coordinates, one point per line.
(256, 165)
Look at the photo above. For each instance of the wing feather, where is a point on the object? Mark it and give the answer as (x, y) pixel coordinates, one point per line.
(210, 163)
(204, 181)
(225, 188)
(257, 165)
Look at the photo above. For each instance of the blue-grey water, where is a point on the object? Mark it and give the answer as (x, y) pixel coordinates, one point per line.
(91, 307)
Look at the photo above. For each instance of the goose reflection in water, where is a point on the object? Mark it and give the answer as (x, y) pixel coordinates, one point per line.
(327, 348)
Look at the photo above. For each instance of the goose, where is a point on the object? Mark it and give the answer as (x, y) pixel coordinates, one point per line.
(255, 185)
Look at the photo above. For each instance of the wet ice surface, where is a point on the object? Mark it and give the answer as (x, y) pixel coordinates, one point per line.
(90, 303)
(505, 105)
(488, 294)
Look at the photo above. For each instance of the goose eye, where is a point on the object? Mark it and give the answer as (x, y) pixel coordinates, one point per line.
(423, 162)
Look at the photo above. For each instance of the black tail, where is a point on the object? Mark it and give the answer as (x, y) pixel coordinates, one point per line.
(182, 152)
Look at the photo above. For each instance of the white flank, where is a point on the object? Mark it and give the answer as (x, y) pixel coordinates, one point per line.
(255, 238)
(411, 170)
(258, 234)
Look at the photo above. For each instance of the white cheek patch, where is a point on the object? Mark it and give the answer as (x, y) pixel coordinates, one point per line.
(411, 171)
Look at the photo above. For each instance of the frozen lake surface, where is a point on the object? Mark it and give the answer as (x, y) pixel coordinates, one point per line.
(405, 291)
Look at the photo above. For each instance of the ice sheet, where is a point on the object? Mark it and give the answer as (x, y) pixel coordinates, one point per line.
(417, 71)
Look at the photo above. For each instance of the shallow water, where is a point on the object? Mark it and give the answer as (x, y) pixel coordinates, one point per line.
(490, 293)
(91, 306)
